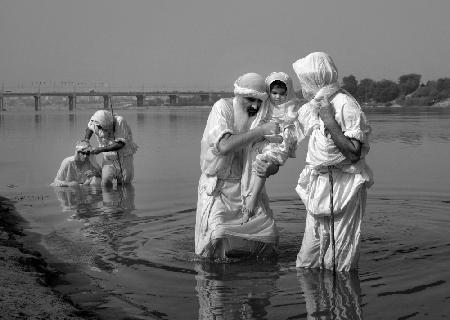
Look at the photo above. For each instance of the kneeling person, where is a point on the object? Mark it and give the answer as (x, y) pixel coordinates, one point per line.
(115, 141)
(78, 169)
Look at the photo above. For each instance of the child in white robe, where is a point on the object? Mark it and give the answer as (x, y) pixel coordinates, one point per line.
(284, 107)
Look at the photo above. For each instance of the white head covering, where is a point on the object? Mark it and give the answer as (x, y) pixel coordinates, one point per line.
(102, 118)
(283, 77)
(250, 85)
(317, 74)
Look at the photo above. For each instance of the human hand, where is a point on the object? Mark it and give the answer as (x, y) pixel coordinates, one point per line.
(270, 128)
(89, 173)
(247, 215)
(274, 138)
(264, 168)
(326, 110)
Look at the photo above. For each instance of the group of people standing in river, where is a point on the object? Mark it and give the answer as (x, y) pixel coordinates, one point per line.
(245, 141)
(248, 137)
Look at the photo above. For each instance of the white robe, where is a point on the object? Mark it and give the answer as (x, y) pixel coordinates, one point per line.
(349, 183)
(223, 182)
(122, 132)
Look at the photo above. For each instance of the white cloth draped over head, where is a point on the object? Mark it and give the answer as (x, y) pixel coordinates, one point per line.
(101, 118)
(250, 85)
(317, 74)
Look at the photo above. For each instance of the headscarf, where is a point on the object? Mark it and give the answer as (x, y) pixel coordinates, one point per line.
(283, 77)
(250, 85)
(101, 118)
(317, 74)
(81, 145)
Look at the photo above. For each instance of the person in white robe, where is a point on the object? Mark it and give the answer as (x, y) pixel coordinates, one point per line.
(338, 134)
(78, 169)
(115, 142)
(233, 128)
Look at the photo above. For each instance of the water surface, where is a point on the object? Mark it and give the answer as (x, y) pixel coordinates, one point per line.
(127, 253)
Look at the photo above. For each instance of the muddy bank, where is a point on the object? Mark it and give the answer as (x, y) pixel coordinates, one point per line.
(25, 277)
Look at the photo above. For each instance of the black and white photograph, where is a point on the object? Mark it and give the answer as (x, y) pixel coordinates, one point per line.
(238, 159)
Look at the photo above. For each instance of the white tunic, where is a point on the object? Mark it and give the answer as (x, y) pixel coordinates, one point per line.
(223, 181)
(349, 183)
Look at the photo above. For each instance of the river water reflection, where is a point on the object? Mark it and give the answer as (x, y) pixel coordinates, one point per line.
(127, 252)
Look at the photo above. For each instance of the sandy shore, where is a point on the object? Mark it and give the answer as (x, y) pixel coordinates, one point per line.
(25, 278)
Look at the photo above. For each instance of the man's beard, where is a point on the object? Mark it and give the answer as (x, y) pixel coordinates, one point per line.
(252, 111)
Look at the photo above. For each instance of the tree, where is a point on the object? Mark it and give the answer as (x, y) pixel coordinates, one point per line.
(408, 83)
(443, 87)
(365, 90)
(350, 84)
(386, 90)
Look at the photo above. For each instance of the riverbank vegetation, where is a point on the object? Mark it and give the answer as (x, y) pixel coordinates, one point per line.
(407, 91)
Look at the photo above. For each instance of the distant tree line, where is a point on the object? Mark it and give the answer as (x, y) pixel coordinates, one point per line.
(407, 91)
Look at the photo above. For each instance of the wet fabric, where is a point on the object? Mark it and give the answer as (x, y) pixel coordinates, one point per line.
(224, 180)
(350, 180)
(286, 116)
(316, 71)
(108, 134)
(70, 172)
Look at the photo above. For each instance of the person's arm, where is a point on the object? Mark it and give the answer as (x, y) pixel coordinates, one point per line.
(231, 142)
(265, 169)
(87, 135)
(350, 148)
(116, 145)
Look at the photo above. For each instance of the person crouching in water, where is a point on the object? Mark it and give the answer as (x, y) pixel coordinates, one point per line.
(79, 169)
(279, 148)
(115, 141)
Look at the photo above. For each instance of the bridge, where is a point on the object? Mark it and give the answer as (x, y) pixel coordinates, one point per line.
(174, 96)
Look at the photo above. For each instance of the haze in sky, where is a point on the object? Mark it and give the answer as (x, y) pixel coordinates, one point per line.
(207, 44)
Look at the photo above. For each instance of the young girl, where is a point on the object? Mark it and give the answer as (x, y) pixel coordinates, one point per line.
(284, 108)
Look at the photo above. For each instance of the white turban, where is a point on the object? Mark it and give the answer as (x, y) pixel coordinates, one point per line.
(250, 85)
(317, 74)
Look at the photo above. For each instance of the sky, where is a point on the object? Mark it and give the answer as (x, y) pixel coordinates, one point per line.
(207, 44)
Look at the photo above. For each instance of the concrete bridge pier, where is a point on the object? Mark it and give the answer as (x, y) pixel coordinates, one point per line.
(173, 99)
(72, 102)
(37, 103)
(140, 100)
(106, 101)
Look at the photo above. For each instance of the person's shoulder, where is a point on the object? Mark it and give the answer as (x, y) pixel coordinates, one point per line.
(346, 101)
(68, 160)
(223, 105)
